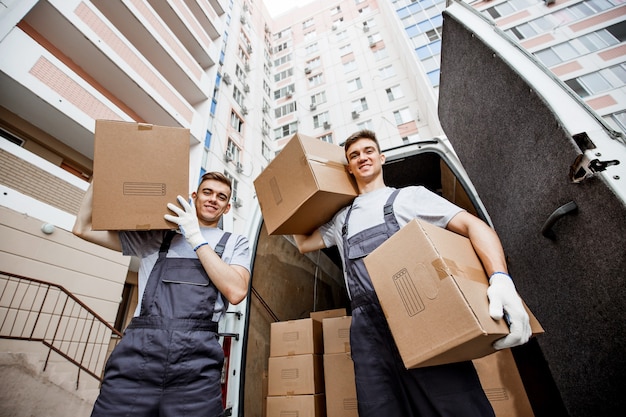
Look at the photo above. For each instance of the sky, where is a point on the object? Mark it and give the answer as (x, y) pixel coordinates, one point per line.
(278, 7)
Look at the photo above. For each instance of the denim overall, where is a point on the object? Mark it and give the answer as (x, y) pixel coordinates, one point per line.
(169, 361)
(384, 386)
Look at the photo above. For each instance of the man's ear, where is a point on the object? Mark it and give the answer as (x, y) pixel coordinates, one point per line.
(382, 158)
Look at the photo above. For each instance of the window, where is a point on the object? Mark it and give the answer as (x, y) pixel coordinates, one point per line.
(359, 105)
(238, 96)
(620, 119)
(286, 130)
(561, 17)
(310, 49)
(314, 63)
(319, 98)
(349, 66)
(380, 54)
(283, 74)
(285, 109)
(315, 80)
(307, 23)
(335, 10)
(345, 50)
(354, 85)
(599, 81)
(374, 38)
(341, 35)
(402, 116)
(284, 92)
(320, 119)
(386, 72)
(232, 152)
(233, 188)
(282, 46)
(309, 36)
(236, 122)
(265, 151)
(366, 124)
(394, 93)
(328, 137)
(581, 45)
(283, 60)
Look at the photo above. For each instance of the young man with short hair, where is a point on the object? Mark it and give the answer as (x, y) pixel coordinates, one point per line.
(384, 386)
(169, 362)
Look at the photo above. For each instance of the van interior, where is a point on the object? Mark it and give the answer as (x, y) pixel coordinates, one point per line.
(287, 285)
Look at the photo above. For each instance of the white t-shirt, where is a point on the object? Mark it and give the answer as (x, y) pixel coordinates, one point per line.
(146, 244)
(413, 202)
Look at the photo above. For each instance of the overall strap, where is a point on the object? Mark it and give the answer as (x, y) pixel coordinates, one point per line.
(387, 211)
(219, 249)
(167, 240)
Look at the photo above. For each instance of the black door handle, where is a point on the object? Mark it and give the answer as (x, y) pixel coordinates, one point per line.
(565, 209)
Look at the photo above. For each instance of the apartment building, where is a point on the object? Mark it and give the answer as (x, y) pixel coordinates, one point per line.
(581, 42)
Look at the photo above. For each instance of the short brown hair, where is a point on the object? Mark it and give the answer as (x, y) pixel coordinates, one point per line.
(361, 134)
(217, 176)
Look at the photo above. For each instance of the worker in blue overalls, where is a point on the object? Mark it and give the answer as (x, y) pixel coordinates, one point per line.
(384, 386)
(169, 361)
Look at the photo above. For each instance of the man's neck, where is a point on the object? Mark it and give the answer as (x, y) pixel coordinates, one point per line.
(368, 187)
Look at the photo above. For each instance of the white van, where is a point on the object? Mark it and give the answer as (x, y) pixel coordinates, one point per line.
(551, 177)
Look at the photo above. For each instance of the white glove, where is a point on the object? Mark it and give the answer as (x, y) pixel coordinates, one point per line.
(505, 302)
(187, 222)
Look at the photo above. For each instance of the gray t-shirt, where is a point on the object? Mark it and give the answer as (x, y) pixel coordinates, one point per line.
(146, 244)
(414, 202)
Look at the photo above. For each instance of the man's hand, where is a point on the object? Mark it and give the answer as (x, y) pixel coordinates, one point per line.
(503, 299)
(187, 222)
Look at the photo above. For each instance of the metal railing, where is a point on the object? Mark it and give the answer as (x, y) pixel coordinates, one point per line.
(40, 311)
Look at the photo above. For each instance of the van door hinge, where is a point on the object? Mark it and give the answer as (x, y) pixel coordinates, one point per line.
(583, 167)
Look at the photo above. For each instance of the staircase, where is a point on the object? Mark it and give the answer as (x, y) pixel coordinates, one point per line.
(52, 350)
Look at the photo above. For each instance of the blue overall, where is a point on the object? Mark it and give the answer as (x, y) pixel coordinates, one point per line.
(169, 361)
(384, 386)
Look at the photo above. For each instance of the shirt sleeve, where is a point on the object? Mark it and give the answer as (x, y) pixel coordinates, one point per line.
(421, 203)
(141, 242)
(241, 253)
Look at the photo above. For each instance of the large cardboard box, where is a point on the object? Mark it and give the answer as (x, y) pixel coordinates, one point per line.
(340, 385)
(503, 385)
(138, 169)
(296, 406)
(336, 332)
(324, 314)
(433, 291)
(304, 186)
(296, 337)
(295, 375)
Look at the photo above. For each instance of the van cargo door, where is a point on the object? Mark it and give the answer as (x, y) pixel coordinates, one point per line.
(551, 176)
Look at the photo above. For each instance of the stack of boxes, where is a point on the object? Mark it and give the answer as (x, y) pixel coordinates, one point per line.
(338, 368)
(295, 369)
(299, 367)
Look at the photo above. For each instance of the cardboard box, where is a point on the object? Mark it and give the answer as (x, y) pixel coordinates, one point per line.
(324, 314)
(138, 169)
(295, 337)
(503, 385)
(336, 332)
(304, 186)
(340, 385)
(433, 291)
(296, 406)
(295, 375)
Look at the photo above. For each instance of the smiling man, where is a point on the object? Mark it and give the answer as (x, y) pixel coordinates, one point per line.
(169, 361)
(384, 385)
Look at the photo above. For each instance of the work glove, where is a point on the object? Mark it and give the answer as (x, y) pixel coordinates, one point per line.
(187, 222)
(505, 302)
